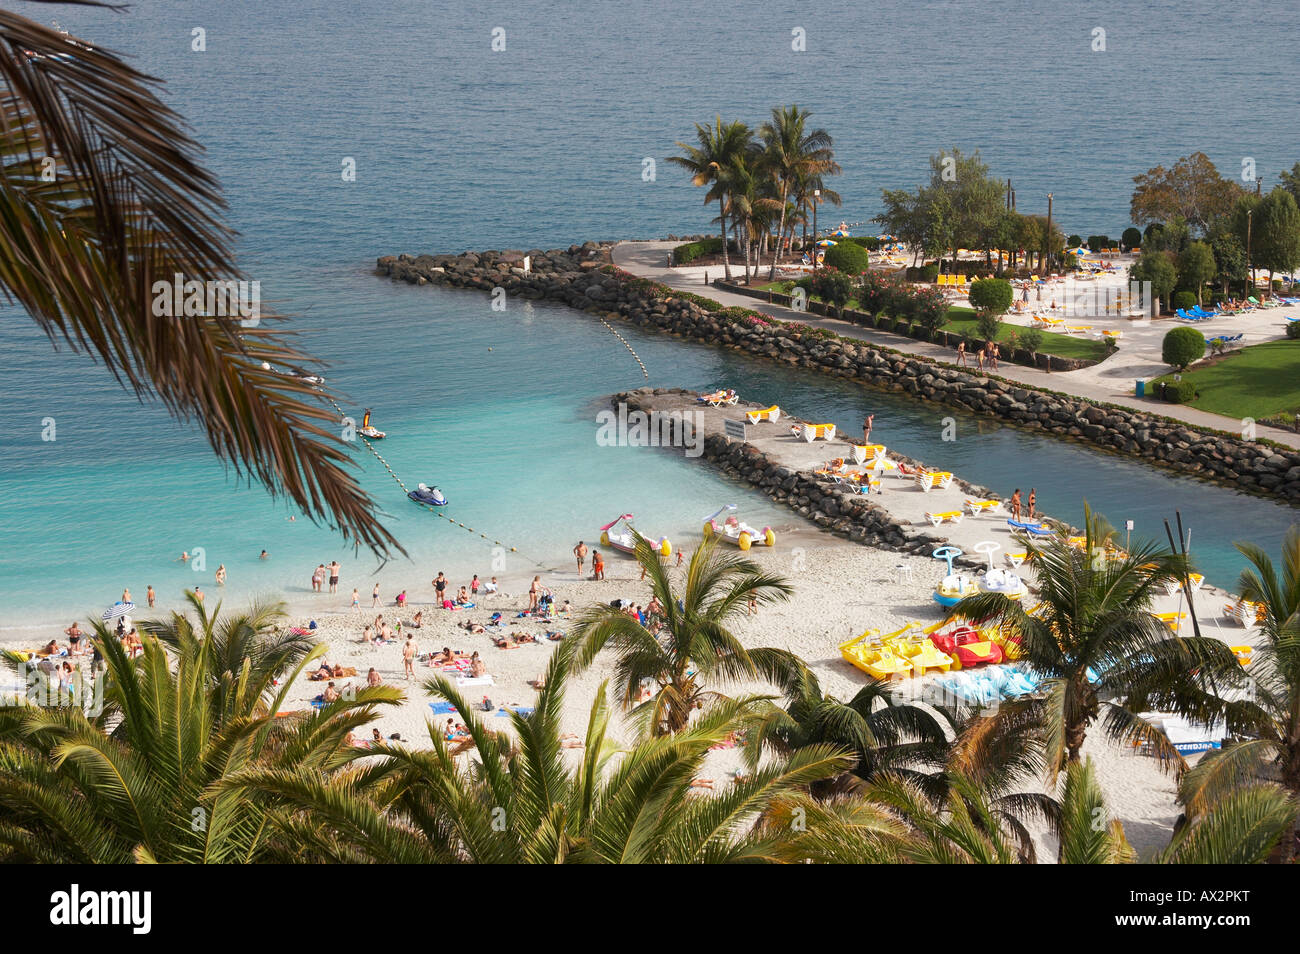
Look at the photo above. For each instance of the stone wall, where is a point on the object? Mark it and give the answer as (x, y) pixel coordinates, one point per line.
(578, 276)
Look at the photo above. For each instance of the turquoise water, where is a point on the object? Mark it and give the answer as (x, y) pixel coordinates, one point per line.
(457, 148)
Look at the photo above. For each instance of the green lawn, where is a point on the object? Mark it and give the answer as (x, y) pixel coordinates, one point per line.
(1260, 381)
(962, 321)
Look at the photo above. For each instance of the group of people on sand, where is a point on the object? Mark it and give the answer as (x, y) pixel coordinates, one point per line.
(989, 352)
(1029, 507)
(465, 596)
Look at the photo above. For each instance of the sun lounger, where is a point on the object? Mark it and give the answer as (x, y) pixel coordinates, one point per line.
(1016, 558)
(772, 414)
(927, 480)
(951, 516)
(811, 432)
(1246, 613)
(1035, 529)
(1172, 620)
(1243, 653)
(977, 507)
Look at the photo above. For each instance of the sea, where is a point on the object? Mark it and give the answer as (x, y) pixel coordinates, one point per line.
(503, 125)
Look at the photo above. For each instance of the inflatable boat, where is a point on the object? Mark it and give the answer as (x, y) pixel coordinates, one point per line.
(428, 495)
(621, 535)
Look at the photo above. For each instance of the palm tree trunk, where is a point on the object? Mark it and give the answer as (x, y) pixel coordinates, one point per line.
(726, 260)
(780, 230)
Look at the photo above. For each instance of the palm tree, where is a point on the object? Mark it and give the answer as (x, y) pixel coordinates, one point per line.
(140, 779)
(1096, 645)
(1269, 715)
(1244, 826)
(694, 645)
(792, 151)
(752, 209)
(806, 185)
(718, 147)
(245, 654)
(130, 205)
(885, 733)
(519, 801)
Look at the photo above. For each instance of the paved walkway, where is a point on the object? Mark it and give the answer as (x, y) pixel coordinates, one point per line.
(1111, 381)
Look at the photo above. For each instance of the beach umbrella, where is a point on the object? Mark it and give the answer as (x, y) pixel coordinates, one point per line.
(825, 242)
(840, 233)
(117, 609)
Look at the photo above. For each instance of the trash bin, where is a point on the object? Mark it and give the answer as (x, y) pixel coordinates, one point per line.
(1141, 389)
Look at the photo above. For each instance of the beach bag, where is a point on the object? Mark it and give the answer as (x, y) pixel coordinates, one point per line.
(487, 704)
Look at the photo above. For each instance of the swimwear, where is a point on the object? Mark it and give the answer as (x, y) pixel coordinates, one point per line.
(333, 580)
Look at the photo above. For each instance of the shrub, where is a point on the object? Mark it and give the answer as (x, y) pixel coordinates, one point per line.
(1098, 242)
(1179, 392)
(689, 252)
(988, 325)
(1182, 346)
(991, 296)
(1293, 330)
(930, 309)
(878, 292)
(833, 287)
(708, 304)
(1131, 239)
(930, 273)
(847, 257)
(1184, 299)
(1031, 339)
(1074, 241)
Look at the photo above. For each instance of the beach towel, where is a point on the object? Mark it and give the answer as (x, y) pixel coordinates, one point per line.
(522, 710)
(443, 708)
(475, 681)
(299, 631)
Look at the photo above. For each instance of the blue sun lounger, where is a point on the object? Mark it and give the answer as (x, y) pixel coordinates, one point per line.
(1036, 529)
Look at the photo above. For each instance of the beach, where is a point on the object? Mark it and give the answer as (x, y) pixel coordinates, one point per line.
(840, 589)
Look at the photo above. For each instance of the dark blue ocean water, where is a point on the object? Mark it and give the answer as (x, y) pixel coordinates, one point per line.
(460, 147)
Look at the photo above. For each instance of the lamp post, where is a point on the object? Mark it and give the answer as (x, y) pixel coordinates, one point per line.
(817, 198)
(1047, 240)
(1250, 271)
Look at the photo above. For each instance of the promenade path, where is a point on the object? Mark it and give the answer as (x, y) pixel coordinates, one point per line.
(1111, 381)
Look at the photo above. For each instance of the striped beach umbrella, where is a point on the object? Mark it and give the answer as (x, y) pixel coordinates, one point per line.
(118, 609)
(825, 243)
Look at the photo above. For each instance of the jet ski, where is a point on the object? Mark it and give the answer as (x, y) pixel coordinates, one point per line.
(369, 430)
(428, 495)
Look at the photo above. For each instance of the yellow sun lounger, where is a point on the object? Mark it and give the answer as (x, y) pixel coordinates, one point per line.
(1017, 558)
(933, 478)
(977, 507)
(1172, 620)
(952, 516)
(772, 414)
(1173, 585)
(811, 432)
(1243, 653)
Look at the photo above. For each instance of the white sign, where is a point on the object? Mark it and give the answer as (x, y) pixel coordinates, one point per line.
(736, 429)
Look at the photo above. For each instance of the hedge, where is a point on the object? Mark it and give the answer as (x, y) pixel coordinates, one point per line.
(684, 254)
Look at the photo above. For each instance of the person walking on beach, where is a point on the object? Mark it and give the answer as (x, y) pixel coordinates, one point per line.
(1032, 502)
(993, 355)
(961, 353)
(979, 358)
(409, 649)
(374, 596)
(440, 586)
(334, 576)
(318, 578)
(1015, 505)
(597, 566)
(356, 599)
(866, 428)
(150, 595)
(474, 584)
(534, 591)
(580, 551)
